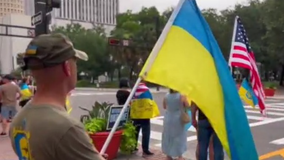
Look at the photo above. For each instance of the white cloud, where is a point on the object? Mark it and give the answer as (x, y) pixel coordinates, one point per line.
(136, 5)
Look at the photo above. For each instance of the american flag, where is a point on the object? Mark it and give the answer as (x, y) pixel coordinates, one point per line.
(142, 88)
(242, 56)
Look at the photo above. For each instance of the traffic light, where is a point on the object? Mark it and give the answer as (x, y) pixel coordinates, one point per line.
(114, 42)
(53, 3)
(43, 9)
(50, 4)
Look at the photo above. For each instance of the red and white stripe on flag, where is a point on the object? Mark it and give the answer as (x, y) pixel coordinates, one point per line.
(242, 56)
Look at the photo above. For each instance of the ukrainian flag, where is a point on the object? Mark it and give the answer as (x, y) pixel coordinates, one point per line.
(247, 95)
(26, 92)
(187, 58)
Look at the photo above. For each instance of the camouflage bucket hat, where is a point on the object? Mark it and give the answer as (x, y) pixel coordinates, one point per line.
(49, 50)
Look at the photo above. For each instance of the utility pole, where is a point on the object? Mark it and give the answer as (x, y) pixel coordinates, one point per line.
(42, 17)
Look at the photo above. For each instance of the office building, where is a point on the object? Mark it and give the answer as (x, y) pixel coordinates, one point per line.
(94, 11)
(11, 7)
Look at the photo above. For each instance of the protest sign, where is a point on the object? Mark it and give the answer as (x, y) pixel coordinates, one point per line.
(113, 114)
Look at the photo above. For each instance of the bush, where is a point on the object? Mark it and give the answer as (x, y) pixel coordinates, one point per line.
(85, 83)
(270, 85)
(113, 84)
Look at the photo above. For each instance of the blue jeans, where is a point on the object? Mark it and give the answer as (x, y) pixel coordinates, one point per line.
(205, 131)
(6, 110)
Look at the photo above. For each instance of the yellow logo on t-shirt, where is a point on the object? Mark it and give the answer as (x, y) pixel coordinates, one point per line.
(21, 142)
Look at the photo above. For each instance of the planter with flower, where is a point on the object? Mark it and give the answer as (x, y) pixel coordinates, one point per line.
(98, 124)
(269, 89)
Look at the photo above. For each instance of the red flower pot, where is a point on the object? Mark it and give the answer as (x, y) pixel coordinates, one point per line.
(269, 92)
(113, 147)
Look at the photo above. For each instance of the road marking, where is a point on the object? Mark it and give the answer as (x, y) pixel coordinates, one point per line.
(259, 118)
(192, 138)
(188, 139)
(266, 122)
(268, 113)
(90, 94)
(273, 154)
(278, 141)
(154, 135)
(268, 108)
(160, 123)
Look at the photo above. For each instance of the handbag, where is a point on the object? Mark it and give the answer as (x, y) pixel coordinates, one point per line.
(184, 117)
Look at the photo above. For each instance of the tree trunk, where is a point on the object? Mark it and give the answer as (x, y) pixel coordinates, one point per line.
(119, 73)
(266, 76)
(281, 76)
(111, 76)
(130, 73)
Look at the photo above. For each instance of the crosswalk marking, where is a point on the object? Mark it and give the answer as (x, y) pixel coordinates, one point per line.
(275, 113)
(278, 141)
(256, 117)
(154, 135)
(268, 112)
(260, 123)
(159, 122)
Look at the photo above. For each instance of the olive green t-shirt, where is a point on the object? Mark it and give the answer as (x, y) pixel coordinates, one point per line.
(46, 132)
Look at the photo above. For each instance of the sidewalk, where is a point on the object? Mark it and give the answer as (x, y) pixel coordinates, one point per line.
(6, 151)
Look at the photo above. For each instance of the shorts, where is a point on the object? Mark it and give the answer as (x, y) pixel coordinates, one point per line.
(6, 110)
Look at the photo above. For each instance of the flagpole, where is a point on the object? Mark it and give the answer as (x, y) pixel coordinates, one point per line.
(232, 46)
(151, 59)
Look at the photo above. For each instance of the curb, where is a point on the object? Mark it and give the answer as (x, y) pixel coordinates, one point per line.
(115, 89)
(95, 89)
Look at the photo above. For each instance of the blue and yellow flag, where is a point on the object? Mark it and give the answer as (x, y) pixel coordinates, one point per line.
(247, 95)
(187, 58)
(26, 92)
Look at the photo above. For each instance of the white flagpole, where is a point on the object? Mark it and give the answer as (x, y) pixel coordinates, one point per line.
(151, 59)
(232, 46)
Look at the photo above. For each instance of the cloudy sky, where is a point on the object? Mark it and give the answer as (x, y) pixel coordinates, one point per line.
(136, 5)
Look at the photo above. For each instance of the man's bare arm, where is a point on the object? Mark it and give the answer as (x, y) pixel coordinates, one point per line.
(194, 109)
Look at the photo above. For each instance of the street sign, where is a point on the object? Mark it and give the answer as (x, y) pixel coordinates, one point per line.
(36, 19)
(31, 33)
(125, 42)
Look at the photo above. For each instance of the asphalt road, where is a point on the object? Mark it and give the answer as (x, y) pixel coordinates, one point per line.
(268, 132)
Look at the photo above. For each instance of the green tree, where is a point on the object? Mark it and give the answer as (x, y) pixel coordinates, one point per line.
(272, 14)
(94, 43)
(142, 29)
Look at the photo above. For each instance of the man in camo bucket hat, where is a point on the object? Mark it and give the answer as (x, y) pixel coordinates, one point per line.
(43, 129)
